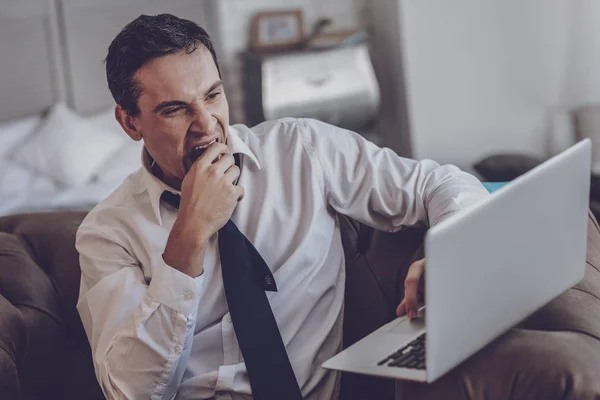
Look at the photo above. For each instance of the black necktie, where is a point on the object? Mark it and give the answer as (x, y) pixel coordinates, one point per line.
(246, 276)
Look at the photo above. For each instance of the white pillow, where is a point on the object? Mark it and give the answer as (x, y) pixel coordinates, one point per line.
(21, 186)
(14, 131)
(67, 148)
(121, 164)
(106, 120)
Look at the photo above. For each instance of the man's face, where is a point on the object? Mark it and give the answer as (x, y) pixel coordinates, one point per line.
(182, 106)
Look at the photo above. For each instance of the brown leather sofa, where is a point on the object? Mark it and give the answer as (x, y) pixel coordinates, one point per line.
(44, 353)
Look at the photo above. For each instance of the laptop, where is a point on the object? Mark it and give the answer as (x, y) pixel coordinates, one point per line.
(488, 268)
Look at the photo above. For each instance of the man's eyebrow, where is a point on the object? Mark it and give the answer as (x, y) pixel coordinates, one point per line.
(214, 86)
(166, 104)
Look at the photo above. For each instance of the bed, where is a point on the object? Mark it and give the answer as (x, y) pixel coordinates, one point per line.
(30, 181)
(60, 146)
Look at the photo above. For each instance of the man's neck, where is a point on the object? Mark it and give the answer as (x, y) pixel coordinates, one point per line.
(155, 170)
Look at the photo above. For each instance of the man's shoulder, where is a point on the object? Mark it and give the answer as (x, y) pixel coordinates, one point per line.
(121, 205)
(274, 127)
(284, 132)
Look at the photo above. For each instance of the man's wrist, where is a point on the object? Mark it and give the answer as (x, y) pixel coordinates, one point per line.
(185, 253)
(191, 266)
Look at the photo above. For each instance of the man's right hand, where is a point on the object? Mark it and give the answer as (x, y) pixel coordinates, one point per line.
(208, 197)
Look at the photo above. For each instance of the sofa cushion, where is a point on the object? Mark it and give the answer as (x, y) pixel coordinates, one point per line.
(521, 365)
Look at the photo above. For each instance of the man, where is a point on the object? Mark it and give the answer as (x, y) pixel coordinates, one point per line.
(159, 279)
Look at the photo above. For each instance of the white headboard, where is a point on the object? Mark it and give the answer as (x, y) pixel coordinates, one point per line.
(90, 26)
(53, 50)
(30, 61)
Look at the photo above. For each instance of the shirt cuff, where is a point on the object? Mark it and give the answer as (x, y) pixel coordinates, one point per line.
(175, 289)
(452, 197)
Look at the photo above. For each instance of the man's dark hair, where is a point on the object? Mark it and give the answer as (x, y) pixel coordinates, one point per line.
(144, 39)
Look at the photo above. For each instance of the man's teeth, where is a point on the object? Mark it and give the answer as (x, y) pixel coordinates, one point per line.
(205, 146)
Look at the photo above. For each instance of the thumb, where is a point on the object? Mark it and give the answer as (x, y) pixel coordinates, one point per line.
(401, 309)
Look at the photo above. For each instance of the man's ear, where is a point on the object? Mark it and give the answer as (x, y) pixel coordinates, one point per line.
(127, 123)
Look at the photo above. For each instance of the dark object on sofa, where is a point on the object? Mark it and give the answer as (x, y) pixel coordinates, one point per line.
(44, 353)
(505, 167)
(595, 195)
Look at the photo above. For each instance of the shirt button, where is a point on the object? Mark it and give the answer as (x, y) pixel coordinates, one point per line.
(228, 318)
(177, 349)
(188, 296)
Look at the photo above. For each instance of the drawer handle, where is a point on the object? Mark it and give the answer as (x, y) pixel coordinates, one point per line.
(320, 81)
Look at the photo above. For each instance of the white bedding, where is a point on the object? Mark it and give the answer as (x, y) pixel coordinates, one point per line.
(23, 189)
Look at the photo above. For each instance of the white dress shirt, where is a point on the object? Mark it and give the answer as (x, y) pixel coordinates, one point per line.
(158, 333)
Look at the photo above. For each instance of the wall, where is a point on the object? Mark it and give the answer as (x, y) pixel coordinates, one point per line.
(89, 26)
(581, 84)
(482, 76)
(234, 19)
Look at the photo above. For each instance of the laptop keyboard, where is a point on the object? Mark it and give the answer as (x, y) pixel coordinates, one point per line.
(410, 356)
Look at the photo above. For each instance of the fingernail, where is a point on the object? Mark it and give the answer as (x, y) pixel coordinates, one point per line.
(411, 314)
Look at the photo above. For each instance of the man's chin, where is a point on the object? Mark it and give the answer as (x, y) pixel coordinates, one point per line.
(187, 166)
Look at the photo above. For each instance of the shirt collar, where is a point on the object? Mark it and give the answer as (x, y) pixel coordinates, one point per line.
(155, 187)
(238, 145)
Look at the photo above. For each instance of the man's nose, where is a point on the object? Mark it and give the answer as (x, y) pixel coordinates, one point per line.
(204, 121)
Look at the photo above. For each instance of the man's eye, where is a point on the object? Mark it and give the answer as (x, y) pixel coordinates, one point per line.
(173, 110)
(214, 95)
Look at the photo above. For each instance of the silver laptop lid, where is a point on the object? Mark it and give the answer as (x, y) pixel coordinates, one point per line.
(493, 265)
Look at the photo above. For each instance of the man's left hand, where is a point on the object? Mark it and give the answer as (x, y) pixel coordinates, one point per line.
(414, 287)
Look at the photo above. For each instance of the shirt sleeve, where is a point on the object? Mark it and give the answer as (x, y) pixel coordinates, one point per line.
(140, 333)
(381, 189)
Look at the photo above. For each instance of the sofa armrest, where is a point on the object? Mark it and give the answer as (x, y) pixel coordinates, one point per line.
(12, 348)
(39, 282)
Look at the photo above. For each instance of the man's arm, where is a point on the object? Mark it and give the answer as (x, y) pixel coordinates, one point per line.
(140, 334)
(381, 189)
(377, 187)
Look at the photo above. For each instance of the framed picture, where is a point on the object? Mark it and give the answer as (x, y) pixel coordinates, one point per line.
(277, 30)
(329, 39)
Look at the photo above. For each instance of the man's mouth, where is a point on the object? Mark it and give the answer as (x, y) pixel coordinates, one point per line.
(197, 151)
